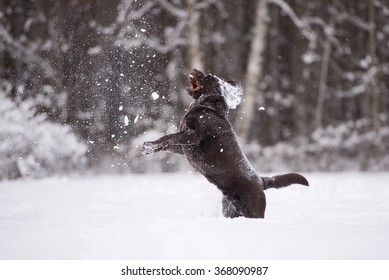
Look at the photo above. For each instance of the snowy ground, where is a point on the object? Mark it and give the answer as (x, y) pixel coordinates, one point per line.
(178, 216)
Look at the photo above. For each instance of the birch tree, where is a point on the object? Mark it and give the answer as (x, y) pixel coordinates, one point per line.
(194, 40)
(325, 62)
(372, 89)
(254, 72)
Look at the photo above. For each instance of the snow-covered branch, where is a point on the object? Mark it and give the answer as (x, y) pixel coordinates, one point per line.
(126, 15)
(172, 9)
(366, 77)
(207, 3)
(29, 55)
(301, 23)
(343, 15)
(125, 34)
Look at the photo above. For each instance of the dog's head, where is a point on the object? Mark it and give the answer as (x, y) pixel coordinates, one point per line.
(201, 84)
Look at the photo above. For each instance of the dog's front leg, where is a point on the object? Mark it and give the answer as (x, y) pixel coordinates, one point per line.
(185, 137)
(175, 149)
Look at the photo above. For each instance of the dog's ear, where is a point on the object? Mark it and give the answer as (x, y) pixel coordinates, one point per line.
(231, 82)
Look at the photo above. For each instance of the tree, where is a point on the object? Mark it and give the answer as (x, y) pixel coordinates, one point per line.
(372, 87)
(254, 71)
(96, 65)
(194, 40)
(325, 62)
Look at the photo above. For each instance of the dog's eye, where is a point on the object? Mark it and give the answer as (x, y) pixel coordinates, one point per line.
(210, 78)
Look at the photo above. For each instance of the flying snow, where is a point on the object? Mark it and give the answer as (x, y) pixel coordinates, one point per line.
(155, 95)
(126, 120)
(136, 119)
(94, 50)
(261, 108)
(232, 94)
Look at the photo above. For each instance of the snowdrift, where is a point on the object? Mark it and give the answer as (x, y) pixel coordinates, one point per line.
(178, 216)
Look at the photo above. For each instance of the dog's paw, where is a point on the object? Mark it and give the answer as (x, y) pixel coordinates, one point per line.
(148, 148)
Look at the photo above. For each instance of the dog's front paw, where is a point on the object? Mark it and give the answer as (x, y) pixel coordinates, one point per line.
(149, 147)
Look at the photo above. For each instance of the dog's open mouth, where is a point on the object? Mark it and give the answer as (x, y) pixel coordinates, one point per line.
(195, 78)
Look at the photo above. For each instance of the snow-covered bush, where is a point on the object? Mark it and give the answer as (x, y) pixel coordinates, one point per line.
(30, 145)
(348, 146)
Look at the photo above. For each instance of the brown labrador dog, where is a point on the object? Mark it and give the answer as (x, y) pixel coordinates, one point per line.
(210, 145)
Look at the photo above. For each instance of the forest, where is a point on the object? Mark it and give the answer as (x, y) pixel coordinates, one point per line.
(83, 83)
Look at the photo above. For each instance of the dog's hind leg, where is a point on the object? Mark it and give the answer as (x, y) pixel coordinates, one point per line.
(229, 209)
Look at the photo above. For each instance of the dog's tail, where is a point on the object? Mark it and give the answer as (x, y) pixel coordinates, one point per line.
(284, 180)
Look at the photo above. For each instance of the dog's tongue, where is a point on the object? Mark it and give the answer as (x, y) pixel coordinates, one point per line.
(232, 94)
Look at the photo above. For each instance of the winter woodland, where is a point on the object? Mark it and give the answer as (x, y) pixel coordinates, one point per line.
(84, 83)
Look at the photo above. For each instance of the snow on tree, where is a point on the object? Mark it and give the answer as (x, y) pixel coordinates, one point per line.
(97, 66)
(31, 146)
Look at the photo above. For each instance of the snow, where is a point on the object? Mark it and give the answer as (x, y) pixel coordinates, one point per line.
(310, 57)
(154, 95)
(232, 93)
(34, 146)
(95, 50)
(178, 216)
(126, 120)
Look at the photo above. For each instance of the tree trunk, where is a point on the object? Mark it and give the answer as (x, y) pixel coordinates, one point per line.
(373, 89)
(323, 77)
(254, 71)
(194, 39)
